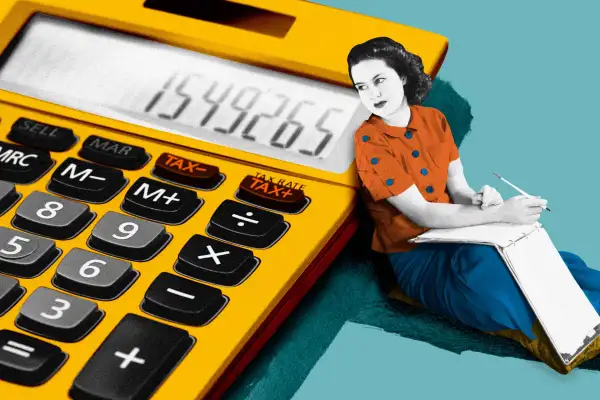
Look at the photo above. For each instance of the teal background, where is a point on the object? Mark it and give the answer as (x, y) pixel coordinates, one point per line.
(527, 70)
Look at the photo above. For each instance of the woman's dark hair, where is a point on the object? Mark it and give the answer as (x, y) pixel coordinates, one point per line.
(405, 63)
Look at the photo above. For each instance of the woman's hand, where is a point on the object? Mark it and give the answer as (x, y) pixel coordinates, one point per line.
(521, 209)
(487, 196)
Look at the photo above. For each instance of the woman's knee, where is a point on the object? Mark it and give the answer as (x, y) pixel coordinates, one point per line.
(571, 258)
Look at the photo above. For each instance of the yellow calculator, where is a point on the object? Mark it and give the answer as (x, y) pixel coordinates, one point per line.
(174, 177)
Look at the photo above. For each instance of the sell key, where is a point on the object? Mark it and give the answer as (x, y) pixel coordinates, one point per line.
(41, 135)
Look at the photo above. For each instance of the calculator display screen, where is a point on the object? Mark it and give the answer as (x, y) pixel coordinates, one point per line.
(151, 84)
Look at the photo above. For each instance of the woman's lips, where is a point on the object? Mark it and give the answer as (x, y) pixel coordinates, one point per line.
(380, 104)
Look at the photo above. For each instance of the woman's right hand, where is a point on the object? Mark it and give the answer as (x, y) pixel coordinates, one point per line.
(521, 209)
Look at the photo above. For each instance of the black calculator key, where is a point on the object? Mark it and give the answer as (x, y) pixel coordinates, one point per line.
(128, 237)
(41, 135)
(187, 172)
(113, 153)
(85, 181)
(19, 164)
(26, 360)
(181, 300)
(57, 315)
(161, 202)
(246, 225)
(25, 255)
(52, 216)
(214, 261)
(267, 194)
(10, 293)
(8, 196)
(133, 361)
(94, 275)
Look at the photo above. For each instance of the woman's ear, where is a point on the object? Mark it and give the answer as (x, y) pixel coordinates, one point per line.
(403, 79)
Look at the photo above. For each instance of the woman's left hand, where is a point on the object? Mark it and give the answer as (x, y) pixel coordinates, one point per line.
(487, 196)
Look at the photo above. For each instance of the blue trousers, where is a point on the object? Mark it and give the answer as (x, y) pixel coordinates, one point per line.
(472, 284)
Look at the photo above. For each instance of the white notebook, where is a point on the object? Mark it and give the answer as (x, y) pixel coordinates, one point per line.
(565, 313)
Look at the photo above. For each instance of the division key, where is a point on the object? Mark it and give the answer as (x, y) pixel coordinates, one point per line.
(133, 360)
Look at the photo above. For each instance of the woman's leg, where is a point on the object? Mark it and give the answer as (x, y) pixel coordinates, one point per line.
(467, 282)
(587, 278)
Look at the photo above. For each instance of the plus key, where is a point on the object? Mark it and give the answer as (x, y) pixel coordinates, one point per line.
(132, 361)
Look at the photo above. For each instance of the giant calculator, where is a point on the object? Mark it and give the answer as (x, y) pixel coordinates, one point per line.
(173, 179)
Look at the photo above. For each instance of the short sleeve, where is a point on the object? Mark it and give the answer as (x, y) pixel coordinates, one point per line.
(381, 174)
(448, 137)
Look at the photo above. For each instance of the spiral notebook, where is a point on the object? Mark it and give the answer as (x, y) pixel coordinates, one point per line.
(564, 312)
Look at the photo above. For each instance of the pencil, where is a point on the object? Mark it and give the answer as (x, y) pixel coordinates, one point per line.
(516, 188)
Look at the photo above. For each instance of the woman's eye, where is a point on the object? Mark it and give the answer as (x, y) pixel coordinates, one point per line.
(360, 88)
(379, 80)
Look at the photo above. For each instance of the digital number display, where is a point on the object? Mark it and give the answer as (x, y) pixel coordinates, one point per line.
(184, 92)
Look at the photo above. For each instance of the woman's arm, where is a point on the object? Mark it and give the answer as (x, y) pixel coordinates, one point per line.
(459, 189)
(441, 215)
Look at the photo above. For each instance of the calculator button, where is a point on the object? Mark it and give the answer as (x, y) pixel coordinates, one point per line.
(161, 202)
(94, 275)
(187, 172)
(85, 181)
(10, 293)
(128, 237)
(52, 216)
(22, 165)
(133, 360)
(271, 195)
(113, 153)
(25, 255)
(26, 360)
(246, 225)
(181, 300)
(59, 316)
(8, 196)
(214, 261)
(41, 135)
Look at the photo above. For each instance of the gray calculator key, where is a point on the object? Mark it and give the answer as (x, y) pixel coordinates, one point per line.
(94, 275)
(59, 316)
(8, 196)
(10, 293)
(52, 216)
(25, 255)
(128, 237)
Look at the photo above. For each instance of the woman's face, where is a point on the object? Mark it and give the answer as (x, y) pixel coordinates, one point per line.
(380, 88)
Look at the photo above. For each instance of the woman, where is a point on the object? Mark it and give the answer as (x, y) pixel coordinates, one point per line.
(412, 180)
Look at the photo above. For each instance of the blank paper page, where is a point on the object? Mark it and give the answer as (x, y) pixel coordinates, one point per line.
(564, 311)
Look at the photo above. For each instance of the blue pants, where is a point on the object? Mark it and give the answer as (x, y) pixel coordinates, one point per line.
(472, 284)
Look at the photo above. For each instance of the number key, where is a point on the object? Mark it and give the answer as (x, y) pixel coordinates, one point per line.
(25, 255)
(128, 237)
(59, 316)
(52, 216)
(94, 275)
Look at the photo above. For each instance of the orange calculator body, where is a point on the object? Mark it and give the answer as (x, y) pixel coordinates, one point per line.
(172, 181)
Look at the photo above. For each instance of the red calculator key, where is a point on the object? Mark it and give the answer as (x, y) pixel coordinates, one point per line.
(271, 195)
(187, 172)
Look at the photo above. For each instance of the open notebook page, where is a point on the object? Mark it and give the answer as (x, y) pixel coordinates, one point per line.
(499, 234)
(565, 313)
